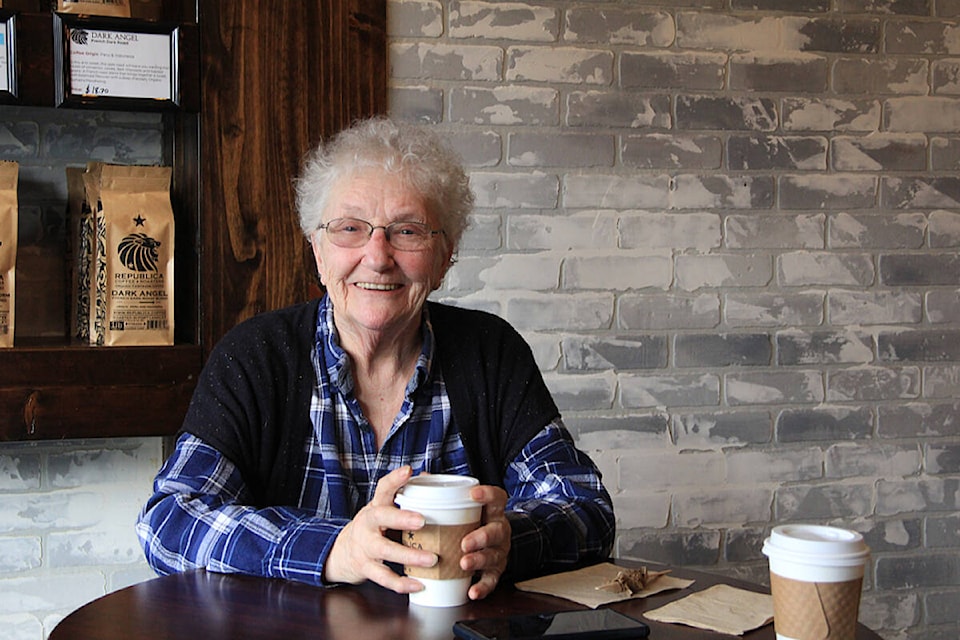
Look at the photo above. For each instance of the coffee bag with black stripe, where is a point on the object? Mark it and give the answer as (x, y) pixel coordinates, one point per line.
(9, 173)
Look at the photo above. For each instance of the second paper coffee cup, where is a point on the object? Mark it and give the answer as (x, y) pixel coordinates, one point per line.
(816, 575)
(450, 513)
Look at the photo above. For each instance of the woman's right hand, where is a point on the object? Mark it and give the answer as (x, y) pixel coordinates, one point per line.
(362, 547)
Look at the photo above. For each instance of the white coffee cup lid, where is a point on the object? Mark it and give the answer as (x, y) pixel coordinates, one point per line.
(830, 544)
(437, 491)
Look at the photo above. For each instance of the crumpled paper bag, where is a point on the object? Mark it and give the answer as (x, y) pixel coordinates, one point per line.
(720, 608)
(581, 585)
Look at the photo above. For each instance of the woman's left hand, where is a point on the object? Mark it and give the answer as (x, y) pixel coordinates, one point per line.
(487, 548)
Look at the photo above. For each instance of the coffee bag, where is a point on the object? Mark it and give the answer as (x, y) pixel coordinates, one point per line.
(134, 257)
(87, 252)
(9, 173)
(115, 8)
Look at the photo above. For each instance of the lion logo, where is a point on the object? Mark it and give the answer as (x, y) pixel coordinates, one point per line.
(79, 36)
(138, 252)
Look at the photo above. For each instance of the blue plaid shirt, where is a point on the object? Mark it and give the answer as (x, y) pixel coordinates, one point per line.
(199, 514)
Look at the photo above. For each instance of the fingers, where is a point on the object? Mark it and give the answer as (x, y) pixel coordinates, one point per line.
(487, 549)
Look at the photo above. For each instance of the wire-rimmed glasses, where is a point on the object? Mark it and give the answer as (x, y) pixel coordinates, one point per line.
(403, 235)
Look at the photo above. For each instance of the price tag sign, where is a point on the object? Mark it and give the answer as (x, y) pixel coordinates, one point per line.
(119, 64)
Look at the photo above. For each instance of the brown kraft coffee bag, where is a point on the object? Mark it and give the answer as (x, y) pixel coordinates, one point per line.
(135, 242)
(87, 252)
(9, 173)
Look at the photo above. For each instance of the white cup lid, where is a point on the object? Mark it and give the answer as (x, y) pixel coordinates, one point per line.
(437, 491)
(831, 544)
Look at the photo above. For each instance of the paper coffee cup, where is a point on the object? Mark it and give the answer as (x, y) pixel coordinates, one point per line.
(450, 513)
(816, 575)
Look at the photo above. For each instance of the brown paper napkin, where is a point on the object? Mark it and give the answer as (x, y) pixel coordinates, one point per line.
(720, 608)
(581, 585)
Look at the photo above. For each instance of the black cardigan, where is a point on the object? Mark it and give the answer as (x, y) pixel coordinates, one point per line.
(253, 397)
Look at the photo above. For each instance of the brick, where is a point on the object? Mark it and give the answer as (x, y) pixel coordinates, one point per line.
(561, 149)
(560, 311)
(837, 191)
(943, 531)
(28, 512)
(868, 231)
(668, 311)
(940, 459)
(503, 21)
(680, 70)
(746, 466)
(830, 114)
(669, 470)
(872, 76)
(571, 232)
(99, 467)
(797, 73)
(505, 105)
(873, 383)
(874, 307)
(904, 7)
(616, 352)
(913, 419)
(673, 548)
(917, 495)
(665, 151)
(927, 37)
(773, 309)
(83, 141)
(562, 65)
(941, 608)
(703, 431)
(670, 231)
(641, 509)
(916, 269)
(833, 35)
(774, 232)
(945, 154)
(823, 502)
(725, 504)
(744, 544)
(92, 547)
(941, 381)
(19, 471)
(723, 350)
(50, 592)
(893, 152)
(20, 553)
(618, 109)
(722, 192)
(476, 148)
(639, 27)
(847, 460)
(919, 346)
(415, 18)
(730, 270)
(925, 114)
(726, 113)
(804, 268)
(724, 32)
(618, 272)
(620, 432)
(828, 424)
(946, 77)
(890, 609)
(445, 62)
(423, 105)
(614, 191)
(22, 626)
(537, 272)
(515, 190)
(777, 152)
(546, 349)
(694, 389)
(19, 140)
(795, 6)
(582, 392)
(892, 535)
(774, 387)
(942, 306)
(944, 227)
(929, 570)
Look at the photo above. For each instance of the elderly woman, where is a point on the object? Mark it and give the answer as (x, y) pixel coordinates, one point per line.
(307, 421)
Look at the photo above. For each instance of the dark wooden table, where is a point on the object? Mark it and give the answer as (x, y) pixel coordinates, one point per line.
(210, 606)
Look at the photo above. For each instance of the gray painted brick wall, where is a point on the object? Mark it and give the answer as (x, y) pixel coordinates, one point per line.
(729, 228)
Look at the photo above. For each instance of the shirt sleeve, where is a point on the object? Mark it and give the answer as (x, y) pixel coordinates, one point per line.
(560, 514)
(199, 517)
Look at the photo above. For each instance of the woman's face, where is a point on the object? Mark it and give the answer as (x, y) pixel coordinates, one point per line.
(376, 287)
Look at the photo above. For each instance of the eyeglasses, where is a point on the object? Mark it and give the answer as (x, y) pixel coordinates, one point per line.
(353, 233)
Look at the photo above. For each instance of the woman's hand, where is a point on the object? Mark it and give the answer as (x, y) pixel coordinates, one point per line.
(362, 548)
(487, 549)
